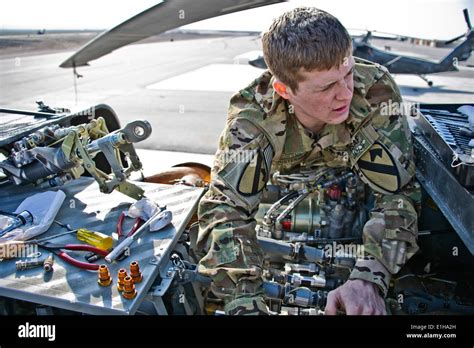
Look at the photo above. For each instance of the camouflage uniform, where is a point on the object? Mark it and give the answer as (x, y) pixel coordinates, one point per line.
(376, 145)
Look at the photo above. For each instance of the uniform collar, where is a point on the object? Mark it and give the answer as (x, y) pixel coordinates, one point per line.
(328, 136)
(265, 95)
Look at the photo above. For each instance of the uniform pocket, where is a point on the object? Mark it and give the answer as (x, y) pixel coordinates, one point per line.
(223, 249)
(400, 225)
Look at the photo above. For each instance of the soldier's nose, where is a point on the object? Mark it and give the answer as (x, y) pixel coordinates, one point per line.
(344, 91)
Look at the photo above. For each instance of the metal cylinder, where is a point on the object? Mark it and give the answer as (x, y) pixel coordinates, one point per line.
(48, 263)
(104, 276)
(314, 281)
(49, 161)
(25, 264)
(135, 272)
(336, 222)
(303, 297)
(273, 290)
(310, 268)
(291, 251)
(122, 273)
(306, 217)
(129, 290)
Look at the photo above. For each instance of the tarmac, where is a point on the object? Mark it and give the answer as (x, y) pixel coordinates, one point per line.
(182, 87)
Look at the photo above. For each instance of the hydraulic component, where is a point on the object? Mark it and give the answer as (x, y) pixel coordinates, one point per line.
(328, 206)
(55, 155)
(297, 296)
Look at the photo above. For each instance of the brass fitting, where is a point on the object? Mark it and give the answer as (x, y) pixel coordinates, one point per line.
(135, 272)
(122, 273)
(104, 276)
(129, 291)
(48, 263)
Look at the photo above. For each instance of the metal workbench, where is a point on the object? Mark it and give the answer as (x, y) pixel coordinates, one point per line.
(71, 288)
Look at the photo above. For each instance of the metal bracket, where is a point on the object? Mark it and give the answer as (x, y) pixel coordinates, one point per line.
(167, 277)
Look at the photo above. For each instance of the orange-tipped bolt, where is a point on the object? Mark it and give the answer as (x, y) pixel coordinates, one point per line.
(129, 291)
(122, 273)
(104, 276)
(135, 272)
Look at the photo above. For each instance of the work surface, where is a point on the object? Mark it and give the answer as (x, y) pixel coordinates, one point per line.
(71, 288)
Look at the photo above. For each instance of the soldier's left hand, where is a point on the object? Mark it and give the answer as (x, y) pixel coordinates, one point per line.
(356, 297)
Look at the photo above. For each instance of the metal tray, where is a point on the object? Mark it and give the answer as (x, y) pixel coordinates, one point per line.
(439, 124)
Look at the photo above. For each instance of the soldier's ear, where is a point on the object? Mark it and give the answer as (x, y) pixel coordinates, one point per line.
(281, 89)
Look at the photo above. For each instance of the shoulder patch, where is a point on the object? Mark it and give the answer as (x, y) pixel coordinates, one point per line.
(379, 167)
(249, 170)
(254, 176)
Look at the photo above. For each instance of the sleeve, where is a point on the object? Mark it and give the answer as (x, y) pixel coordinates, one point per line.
(227, 211)
(390, 235)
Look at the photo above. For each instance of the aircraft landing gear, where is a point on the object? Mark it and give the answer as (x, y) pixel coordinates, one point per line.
(429, 82)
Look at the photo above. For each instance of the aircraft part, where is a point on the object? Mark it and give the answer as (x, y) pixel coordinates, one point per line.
(55, 155)
(162, 17)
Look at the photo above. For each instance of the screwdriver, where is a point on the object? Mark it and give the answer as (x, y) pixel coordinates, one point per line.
(93, 238)
(97, 239)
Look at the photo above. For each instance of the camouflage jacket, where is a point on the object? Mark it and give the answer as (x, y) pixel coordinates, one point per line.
(374, 141)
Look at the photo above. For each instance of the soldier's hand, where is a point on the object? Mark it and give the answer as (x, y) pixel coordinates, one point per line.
(356, 297)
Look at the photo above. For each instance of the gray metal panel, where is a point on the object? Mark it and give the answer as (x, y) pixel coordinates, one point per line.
(71, 288)
(455, 201)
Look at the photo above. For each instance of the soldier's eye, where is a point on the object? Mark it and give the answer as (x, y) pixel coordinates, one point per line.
(327, 88)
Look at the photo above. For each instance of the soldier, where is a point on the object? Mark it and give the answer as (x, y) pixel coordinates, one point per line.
(316, 106)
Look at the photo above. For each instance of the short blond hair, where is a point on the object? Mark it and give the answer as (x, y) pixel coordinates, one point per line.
(304, 38)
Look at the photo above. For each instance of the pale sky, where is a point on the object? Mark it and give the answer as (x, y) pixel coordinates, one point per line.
(440, 19)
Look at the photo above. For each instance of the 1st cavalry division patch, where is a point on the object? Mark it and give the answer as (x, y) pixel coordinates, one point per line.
(378, 166)
(254, 176)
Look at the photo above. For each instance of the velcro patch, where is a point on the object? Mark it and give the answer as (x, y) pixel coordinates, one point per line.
(249, 170)
(254, 176)
(379, 167)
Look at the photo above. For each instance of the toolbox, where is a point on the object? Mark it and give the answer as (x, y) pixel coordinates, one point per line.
(441, 125)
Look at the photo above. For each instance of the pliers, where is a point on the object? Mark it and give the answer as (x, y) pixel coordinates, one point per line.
(56, 249)
(135, 227)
